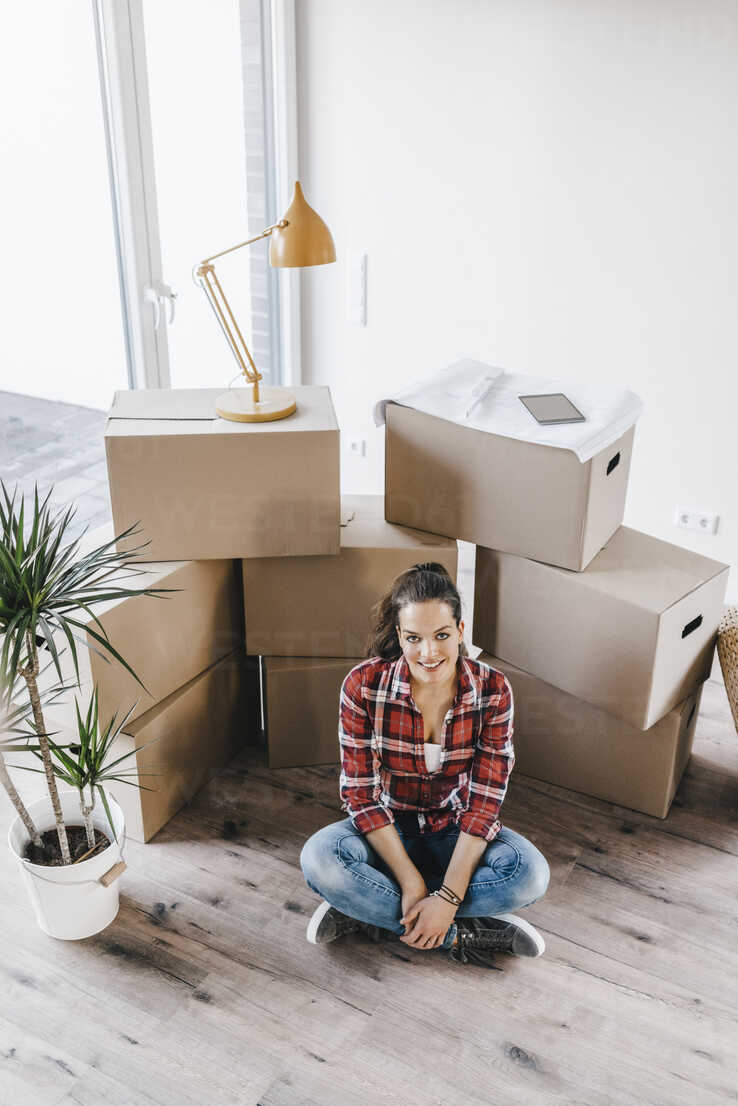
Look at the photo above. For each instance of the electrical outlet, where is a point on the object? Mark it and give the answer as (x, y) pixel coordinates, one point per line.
(702, 522)
(357, 447)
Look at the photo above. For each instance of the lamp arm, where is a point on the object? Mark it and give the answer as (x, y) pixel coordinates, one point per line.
(207, 279)
(205, 276)
(264, 234)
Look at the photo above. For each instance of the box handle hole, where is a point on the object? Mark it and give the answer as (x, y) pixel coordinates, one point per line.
(692, 625)
(614, 462)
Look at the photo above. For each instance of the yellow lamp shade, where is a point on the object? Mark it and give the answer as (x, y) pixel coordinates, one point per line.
(305, 240)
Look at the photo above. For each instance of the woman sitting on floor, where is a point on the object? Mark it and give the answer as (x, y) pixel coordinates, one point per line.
(426, 750)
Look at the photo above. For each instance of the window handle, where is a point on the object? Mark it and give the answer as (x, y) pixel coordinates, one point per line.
(151, 296)
(155, 294)
(167, 293)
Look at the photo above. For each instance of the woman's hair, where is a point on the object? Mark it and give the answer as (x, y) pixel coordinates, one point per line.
(419, 584)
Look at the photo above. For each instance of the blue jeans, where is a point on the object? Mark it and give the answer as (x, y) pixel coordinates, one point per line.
(341, 866)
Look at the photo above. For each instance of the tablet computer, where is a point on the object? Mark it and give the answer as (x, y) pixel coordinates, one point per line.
(552, 408)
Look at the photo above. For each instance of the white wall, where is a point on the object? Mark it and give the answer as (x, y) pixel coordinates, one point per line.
(548, 185)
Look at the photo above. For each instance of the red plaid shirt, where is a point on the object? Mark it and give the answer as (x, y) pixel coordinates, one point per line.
(383, 765)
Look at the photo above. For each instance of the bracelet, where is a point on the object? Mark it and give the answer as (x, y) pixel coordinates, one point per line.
(441, 895)
(447, 895)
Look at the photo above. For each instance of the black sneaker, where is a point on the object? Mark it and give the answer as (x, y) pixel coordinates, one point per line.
(479, 938)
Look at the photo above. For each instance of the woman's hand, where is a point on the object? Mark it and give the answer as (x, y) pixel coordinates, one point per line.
(426, 923)
(413, 893)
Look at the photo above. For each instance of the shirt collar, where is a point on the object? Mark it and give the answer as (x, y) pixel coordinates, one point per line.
(467, 692)
(400, 679)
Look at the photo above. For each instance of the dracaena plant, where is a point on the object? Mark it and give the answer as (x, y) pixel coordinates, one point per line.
(84, 763)
(15, 731)
(48, 585)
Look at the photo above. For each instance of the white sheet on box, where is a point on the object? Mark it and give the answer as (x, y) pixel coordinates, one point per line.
(486, 397)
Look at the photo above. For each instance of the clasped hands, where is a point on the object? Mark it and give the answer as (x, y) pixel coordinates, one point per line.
(426, 918)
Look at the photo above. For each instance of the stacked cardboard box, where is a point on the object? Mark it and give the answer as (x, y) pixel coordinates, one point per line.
(310, 617)
(300, 697)
(569, 742)
(200, 487)
(182, 742)
(617, 641)
(620, 650)
(204, 493)
(167, 639)
(633, 633)
(186, 646)
(525, 498)
(203, 488)
(605, 633)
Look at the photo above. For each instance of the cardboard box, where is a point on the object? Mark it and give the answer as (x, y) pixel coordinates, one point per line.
(321, 606)
(300, 697)
(632, 634)
(532, 500)
(198, 730)
(167, 640)
(566, 741)
(204, 488)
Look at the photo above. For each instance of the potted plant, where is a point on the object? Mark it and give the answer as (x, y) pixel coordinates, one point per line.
(96, 846)
(47, 584)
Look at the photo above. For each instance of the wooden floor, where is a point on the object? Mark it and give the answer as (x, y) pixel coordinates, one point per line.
(204, 990)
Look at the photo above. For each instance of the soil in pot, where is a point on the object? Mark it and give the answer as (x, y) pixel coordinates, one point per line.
(50, 853)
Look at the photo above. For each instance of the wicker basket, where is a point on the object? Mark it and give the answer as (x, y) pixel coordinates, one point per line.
(728, 653)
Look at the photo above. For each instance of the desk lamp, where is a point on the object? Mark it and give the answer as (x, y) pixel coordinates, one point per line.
(298, 240)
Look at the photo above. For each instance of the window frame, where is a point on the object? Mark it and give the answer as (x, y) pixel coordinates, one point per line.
(120, 36)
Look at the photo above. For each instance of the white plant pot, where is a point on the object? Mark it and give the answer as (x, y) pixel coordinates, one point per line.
(69, 900)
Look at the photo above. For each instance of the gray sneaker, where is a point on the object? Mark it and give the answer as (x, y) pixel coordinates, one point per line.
(328, 924)
(479, 938)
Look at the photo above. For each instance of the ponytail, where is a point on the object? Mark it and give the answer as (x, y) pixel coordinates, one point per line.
(419, 584)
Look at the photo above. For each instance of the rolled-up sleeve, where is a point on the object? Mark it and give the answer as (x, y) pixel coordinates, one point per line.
(491, 767)
(360, 785)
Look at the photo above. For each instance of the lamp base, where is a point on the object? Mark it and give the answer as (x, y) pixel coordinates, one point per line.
(237, 405)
